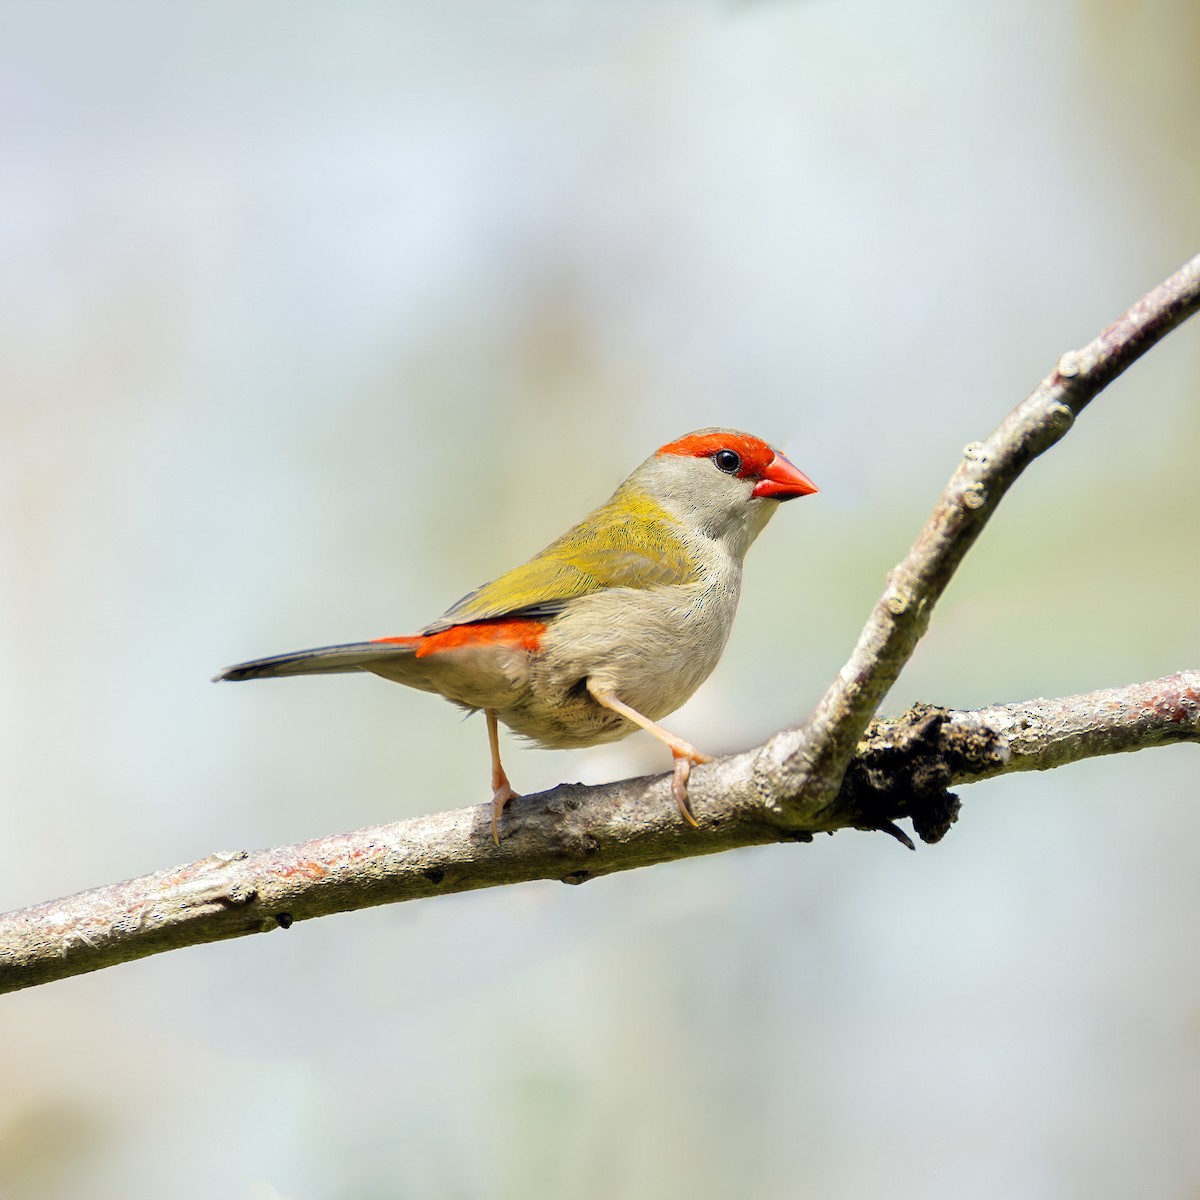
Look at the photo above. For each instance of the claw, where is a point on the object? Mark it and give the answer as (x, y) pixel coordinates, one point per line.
(679, 782)
(502, 794)
(685, 755)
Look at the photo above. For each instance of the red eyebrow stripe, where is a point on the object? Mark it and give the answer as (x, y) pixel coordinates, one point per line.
(756, 454)
(520, 633)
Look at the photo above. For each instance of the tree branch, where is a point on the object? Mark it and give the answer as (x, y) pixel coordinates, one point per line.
(903, 767)
(796, 784)
(575, 833)
(812, 759)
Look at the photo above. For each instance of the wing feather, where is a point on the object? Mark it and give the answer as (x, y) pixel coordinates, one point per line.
(630, 542)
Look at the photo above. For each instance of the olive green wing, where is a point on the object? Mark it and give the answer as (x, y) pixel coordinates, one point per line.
(624, 545)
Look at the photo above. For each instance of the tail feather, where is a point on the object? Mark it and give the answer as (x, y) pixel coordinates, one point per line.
(323, 660)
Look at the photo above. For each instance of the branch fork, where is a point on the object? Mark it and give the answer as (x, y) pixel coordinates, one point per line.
(841, 769)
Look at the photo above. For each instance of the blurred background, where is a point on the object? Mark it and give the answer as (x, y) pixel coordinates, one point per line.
(316, 316)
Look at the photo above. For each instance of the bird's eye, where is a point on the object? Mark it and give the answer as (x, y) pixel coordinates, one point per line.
(728, 461)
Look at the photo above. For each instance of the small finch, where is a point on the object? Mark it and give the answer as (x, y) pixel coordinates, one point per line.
(611, 627)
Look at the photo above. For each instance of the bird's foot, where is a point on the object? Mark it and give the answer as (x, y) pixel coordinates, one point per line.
(685, 755)
(502, 793)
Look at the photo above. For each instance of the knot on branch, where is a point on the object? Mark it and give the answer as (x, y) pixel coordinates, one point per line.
(903, 768)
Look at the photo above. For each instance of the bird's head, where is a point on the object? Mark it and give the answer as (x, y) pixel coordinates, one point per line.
(723, 483)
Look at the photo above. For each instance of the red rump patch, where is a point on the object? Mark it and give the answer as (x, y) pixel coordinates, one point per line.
(519, 633)
(755, 454)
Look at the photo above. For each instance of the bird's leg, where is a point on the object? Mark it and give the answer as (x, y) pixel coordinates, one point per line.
(683, 752)
(502, 791)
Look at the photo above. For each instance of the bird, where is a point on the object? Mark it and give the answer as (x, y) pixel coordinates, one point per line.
(607, 630)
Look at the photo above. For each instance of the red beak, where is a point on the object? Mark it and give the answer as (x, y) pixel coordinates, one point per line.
(783, 481)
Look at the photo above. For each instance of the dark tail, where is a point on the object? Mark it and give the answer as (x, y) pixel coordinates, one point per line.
(324, 660)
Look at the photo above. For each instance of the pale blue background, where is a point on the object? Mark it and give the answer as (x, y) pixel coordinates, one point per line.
(316, 316)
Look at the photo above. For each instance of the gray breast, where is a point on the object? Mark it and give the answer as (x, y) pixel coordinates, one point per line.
(652, 647)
